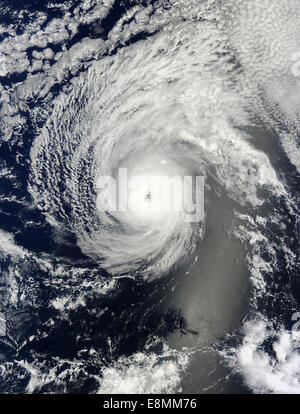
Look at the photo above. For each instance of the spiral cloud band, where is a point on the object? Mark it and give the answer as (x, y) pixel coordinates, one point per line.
(162, 115)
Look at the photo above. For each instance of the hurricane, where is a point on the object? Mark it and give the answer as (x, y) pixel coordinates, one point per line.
(102, 295)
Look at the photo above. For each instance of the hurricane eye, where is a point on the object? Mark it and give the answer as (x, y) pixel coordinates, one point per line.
(148, 196)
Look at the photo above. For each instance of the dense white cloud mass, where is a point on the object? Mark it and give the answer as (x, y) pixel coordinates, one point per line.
(146, 373)
(265, 372)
